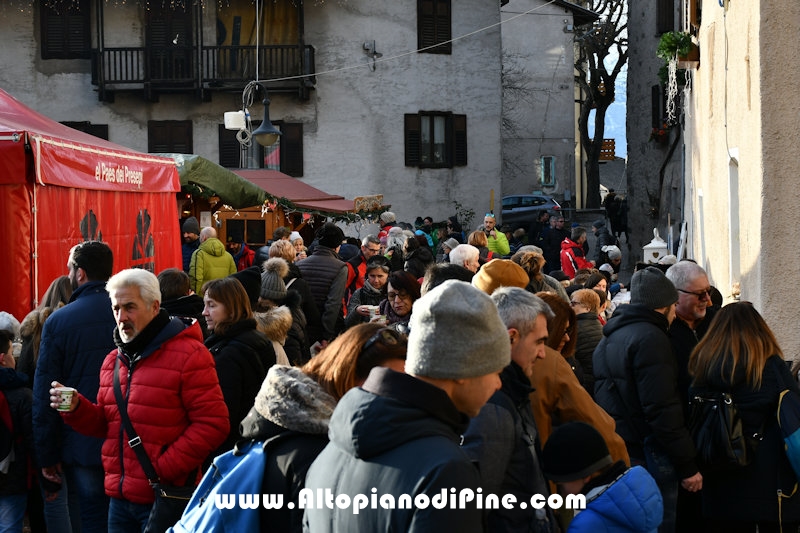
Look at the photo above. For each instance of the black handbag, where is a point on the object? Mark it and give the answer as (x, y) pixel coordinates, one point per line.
(718, 434)
(170, 500)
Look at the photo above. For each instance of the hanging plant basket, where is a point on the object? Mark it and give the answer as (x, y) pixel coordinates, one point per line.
(690, 60)
(672, 46)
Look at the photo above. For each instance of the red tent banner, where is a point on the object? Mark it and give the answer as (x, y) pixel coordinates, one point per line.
(71, 164)
(61, 187)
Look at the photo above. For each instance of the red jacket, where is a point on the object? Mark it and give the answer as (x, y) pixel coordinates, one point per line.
(356, 272)
(175, 404)
(573, 258)
(246, 258)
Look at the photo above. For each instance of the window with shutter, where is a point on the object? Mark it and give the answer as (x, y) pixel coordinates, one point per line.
(169, 136)
(548, 170)
(435, 140)
(286, 155)
(98, 130)
(434, 26)
(65, 29)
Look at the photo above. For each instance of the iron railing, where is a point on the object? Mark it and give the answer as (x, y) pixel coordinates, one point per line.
(177, 67)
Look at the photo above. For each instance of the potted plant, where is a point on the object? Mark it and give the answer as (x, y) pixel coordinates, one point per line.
(672, 47)
(674, 44)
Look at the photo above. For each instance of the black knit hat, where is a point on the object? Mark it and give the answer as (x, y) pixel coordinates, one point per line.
(250, 278)
(652, 289)
(330, 235)
(573, 451)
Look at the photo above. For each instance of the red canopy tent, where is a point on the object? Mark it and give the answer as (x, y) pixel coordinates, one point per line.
(61, 187)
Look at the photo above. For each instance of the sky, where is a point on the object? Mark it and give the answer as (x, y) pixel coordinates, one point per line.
(615, 116)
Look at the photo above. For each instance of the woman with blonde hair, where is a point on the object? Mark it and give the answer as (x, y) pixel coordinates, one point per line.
(294, 406)
(478, 239)
(740, 355)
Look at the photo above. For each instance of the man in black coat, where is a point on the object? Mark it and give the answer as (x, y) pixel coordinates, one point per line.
(326, 275)
(693, 315)
(637, 384)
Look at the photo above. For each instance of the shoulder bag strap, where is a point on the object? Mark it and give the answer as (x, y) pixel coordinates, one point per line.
(133, 438)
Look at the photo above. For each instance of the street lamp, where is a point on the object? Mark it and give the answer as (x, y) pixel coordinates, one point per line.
(266, 134)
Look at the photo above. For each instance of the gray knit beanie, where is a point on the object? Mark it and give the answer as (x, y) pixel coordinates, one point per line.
(450, 243)
(191, 225)
(456, 333)
(272, 285)
(652, 289)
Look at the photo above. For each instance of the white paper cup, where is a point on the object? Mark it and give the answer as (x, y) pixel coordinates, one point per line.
(66, 398)
(373, 311)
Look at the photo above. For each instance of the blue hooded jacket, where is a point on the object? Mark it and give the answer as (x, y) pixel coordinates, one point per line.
(630, 504)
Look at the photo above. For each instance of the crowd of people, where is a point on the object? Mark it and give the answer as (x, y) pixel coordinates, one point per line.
(421, 360)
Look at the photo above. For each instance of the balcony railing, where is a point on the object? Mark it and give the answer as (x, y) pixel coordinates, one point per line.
(175, 68)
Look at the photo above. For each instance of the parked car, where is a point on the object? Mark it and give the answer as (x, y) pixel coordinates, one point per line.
(519, 210)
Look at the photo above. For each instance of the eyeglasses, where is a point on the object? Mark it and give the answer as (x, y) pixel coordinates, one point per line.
(392, 295)
(574, 303)
(700, 295)
(490, 215)
(386, 336)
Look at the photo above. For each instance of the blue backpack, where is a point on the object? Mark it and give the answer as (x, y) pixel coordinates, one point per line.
(789, 421)
(228, 497)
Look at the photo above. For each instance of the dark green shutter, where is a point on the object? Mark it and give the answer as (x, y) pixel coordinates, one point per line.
(411, 135)
(292, 149)
(229, 148)
(459, 140)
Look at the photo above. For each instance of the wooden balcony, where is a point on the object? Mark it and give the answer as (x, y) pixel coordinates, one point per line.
(201, 70)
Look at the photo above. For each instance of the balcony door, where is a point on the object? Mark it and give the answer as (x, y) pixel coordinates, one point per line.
(169, 42)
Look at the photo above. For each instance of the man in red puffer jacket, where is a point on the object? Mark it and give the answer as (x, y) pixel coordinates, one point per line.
(174, 400)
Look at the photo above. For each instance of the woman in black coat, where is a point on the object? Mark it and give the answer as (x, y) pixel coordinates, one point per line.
(294, 406)
(740, 355)
(242, 353)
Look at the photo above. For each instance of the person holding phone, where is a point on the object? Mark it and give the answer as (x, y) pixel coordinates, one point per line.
(498, 242)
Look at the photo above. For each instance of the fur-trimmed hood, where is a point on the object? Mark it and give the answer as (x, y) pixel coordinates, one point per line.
(292, 400)
(275, 323)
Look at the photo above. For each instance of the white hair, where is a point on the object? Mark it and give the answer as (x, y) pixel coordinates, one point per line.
(147, 282)
(463, 253)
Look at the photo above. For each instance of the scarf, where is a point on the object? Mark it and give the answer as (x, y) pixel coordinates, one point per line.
(137, 345)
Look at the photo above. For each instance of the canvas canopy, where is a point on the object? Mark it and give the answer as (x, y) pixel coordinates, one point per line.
(61, 187)
(240, 188)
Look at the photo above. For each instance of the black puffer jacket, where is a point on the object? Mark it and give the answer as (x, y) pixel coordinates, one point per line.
(242, 357)
(326, 275)
(636, 382)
